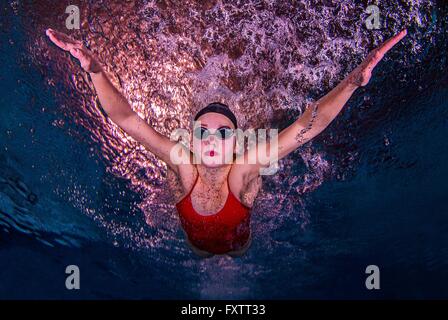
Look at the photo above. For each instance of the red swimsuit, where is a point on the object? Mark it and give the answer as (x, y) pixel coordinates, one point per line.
(227, 230)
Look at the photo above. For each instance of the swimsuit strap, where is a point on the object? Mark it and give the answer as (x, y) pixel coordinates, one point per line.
(194, 184)
(232, 195)
(196, 180)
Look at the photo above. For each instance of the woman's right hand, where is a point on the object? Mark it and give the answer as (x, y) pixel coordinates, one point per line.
(118, 108)
(88, 61)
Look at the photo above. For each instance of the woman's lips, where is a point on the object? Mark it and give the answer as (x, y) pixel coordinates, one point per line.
(211, 153)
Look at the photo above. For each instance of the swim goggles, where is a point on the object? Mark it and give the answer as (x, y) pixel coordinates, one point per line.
(221, 133)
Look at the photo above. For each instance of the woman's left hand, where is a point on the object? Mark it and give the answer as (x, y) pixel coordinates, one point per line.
(362, 74)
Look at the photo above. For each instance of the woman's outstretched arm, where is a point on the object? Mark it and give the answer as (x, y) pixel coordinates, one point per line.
(113, 102)
(320, 114)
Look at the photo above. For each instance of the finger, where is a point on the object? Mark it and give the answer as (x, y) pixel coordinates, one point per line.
(59, 43)
(378, 54)
(375, 58)
(78, 53)
(75, 52)
(82, 58)
(61, 37)
(388, 44)
(64, 42)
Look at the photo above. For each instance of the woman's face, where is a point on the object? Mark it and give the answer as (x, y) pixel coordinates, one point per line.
(213, 150)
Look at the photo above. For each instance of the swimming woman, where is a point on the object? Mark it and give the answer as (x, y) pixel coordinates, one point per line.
(217, 195)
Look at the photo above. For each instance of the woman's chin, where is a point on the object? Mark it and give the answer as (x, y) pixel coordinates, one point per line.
(212, 162)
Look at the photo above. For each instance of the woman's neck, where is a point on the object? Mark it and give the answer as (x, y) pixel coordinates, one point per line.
(213, 177)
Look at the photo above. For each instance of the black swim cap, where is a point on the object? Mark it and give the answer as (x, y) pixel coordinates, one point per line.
(218, 107)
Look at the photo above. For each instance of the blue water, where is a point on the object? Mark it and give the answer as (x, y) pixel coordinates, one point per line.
(382, 202)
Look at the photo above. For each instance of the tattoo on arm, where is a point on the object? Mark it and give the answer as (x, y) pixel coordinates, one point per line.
(299, 136)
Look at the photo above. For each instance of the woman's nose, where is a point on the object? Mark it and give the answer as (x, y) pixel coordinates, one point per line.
(211, 139)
